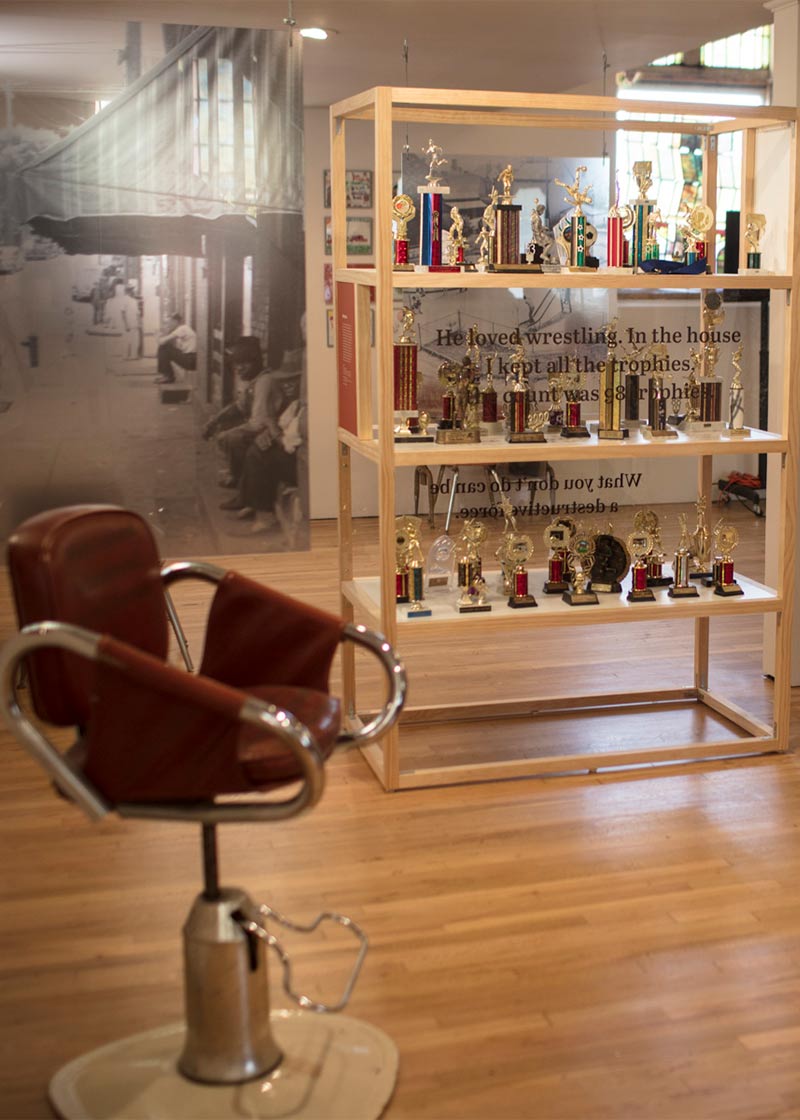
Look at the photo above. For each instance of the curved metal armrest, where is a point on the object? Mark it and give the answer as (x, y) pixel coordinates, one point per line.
(186, 569)
(396, 678)
(85, 643)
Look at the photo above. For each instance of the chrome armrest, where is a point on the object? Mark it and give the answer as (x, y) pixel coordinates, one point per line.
(185, 569)
(396, 680)
(85, 643)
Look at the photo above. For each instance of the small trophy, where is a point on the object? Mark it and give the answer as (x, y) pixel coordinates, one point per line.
(573, 380)
(555, 387)
(682, 587)
(612, 390)
(753, 232)
(541, 252)
(456, 243)
(694, 223)
(640, 545)
(520, 550)
(657, 396)
(642, 208)
(700, 544)
(403, 211)
(722, 579)
(654, 223)
(581, 234)
(620, 219)
(557, 536)
(431, 196)
(580, 558)
(503, 553)
(485, 238)
(693, 391)
(409, 567)
(611, 563)
(490, 424)
(736, 398)
(471, 584)
(646, 520)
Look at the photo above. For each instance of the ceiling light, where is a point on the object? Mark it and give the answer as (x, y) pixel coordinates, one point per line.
(313, 32)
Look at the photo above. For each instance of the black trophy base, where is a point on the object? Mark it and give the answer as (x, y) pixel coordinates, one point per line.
(579, 432)
(612, 433)
(525, 437)
(606, 588)
(519, 601)
(419, 612)
(475, 609)
(402, 599)
(645, 595)
(728, 589)
(580, 598)
(659, 581)
(703, 575)
(683, 593)
(555, 586)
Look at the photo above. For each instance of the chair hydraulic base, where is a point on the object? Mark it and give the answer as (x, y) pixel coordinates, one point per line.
(333, 1066)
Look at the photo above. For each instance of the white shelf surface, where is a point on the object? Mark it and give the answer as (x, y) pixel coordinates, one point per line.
(595, 278)
(364, 592)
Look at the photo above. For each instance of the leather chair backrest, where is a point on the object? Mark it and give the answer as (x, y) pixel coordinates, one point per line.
(92, 566)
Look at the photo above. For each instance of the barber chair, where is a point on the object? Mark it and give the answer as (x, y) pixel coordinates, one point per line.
(156, 741)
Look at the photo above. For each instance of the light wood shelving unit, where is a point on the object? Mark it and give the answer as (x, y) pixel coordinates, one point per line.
(373, 596)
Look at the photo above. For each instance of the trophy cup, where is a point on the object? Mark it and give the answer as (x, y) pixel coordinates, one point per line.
(657, 397)
(581, 234)
(699, 543)
(612, 390)
(572, 380)
(620, 219)
(557, 536)
(640, 545)
(520, 549)
(456, 243)
(430, 243)
(722, 579)
(736, 398)
(646, 520)
(580, 558)
(409, 567)
(403, 211)
(682, 588)
(694, 223)
(485, 238)
(642, 208)
(471, 584)
(753, 232)
(611, 563)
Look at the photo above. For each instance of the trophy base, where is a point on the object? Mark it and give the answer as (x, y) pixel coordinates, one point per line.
(438, 581)
(645, 595)
(737, 433)
(520, 266)
(659, 581)
(553, 586)
(551, 269)
(683, 593)
(444, 268)
(728, 589)
(606, 588)
(612, 433)
(580, 598)
(520, 601)
(704, 426)
(525, 437)
(476, 609)
(581, 267)
(402, 268)
(402, 599)
(411, 438)
(658, 433)
(419, 612)
(457, 435)
(579, 432)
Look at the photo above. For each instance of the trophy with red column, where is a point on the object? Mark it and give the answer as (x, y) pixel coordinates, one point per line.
(432, 199)
(403, 211)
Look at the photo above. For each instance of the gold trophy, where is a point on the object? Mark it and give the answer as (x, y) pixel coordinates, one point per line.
(736, 398)
(541, 252)
(582, 234)
(407, 427)
(580, 559)
(469, 566)
(520, 550)
(523, 423)
(461, 399)
(610, 565)
(642, 208)
(657, 397)
(722, 579)
(503, 553)
(485, 238)
(700, 544)
(431, 218)
(694, 222)
(409, 566)
(612, 390)
(557, 536)
(403, 211)
(646, 520)
(682, 588)
(753, 232)
(456, 244)
(506, 225)
(573, 380)
(705, 413)
(640, 545)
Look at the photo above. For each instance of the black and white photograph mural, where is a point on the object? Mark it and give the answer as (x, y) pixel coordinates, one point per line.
(152, 320)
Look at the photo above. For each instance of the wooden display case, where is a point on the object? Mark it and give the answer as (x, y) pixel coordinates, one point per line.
(366, 430)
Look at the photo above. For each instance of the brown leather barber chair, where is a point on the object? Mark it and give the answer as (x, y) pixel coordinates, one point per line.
(154, 740)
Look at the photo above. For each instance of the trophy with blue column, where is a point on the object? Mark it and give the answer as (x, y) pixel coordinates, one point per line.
(431, 233)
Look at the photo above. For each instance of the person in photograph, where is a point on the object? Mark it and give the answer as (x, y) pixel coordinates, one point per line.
(178, 346)
(131, 320)
(237, 424)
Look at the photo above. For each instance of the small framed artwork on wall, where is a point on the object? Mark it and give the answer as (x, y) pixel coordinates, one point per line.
(359, 236)
(358, 187)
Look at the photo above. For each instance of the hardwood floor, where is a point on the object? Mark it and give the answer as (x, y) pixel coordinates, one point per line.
(622, 945)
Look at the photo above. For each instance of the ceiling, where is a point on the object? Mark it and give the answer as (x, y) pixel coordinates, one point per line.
(71, 49)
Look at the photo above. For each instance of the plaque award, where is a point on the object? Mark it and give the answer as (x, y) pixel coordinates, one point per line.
(612, 390)
(557, 536)
(620, 219)
(431, 198)
(580, 558)
(640, 545)
(581, 234)
(469, 567)
(409, 567)
(642, 207)
(646, 520)
(753, 232)
(682, 587)
(610, 565)
(722, 579)
(736, 398)
(403, 211)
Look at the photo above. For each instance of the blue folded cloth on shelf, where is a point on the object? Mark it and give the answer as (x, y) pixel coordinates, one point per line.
(695, 269)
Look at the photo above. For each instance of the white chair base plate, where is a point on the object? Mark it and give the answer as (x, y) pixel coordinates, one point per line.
(334, 1066)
